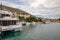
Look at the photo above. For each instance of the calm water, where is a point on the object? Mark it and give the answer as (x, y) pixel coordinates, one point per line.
(35, 32)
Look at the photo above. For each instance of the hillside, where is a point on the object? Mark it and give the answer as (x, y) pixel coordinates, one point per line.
(24, 16)
(18, 11)
(15, 11)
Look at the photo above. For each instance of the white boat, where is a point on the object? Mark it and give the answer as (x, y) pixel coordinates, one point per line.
(7, 23)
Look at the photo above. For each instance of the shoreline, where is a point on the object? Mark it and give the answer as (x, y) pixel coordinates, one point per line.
(28, 23)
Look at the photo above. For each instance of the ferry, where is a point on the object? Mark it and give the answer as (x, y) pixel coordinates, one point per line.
(9, 23)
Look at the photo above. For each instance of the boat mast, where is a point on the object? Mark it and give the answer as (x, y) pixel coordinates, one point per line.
(1, 6)
(0, 9)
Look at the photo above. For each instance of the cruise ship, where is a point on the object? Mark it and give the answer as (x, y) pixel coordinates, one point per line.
(8, 23)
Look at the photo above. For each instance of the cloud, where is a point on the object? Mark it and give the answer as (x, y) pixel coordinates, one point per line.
(35, 7)
(0, 1)
(52, 3)
(46, 6)
(8, 3)
(46, 3)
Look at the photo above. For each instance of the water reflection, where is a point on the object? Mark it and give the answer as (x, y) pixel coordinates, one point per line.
(35, 32)
(10, 34)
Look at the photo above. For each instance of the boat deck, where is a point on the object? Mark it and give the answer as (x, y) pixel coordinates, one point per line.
(11, 27)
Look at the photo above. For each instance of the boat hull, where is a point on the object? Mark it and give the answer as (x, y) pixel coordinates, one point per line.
(10, 28)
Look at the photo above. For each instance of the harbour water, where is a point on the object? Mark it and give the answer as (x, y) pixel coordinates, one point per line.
(38, 31)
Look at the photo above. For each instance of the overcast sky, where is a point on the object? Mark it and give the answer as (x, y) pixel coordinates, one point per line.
(35, 7)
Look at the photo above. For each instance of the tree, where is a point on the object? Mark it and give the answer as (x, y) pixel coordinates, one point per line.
(31, 19)
(21, 18)
(40, 20)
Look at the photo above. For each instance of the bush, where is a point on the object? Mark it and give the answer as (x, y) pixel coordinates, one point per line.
(21, 18)
(30, 19)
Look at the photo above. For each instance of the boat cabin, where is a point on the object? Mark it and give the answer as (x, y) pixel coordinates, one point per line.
(6, 19)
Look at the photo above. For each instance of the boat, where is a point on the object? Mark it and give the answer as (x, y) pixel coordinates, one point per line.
(8, 23)
(24, 24)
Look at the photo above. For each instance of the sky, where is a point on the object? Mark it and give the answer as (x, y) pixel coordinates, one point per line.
(36, 7)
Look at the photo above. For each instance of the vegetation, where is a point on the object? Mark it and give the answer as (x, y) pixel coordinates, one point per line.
(21, 18)
(30, 19)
